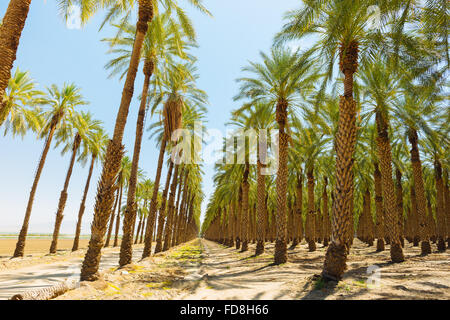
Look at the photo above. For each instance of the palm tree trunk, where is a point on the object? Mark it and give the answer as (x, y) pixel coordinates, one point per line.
(116, 236)
(112, 220)
(239, 220)
(280, 255)
(345, 140)
(162, 211)
(420, 192)
(440, 207)
(63, 197)
(260, 204)
(20, 245)
(389, 200)
(379, 229)
(141, 236)
(179, 206)
(138, 230)
(10, 31)
(76, 240)
(154, 203)
(245, 209)
(310, 219)
(399, 206)
(326, 218)
(114, 153)
(170, 211)
(126, 246)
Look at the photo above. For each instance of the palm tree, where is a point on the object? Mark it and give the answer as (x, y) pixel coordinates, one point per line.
(161, 43)
(62, 103)
(21, 101)
(10, 32)
(260, 117)
(381, 88)
(93, 146)
(178, 89)
(114, 152)
(282, 79)
(346, 33)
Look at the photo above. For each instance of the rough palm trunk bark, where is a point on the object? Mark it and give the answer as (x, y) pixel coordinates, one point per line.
(311, 215)
(345, 140)
(138, 231)
(182, 186)
(20, 245)
(389, 201)
(126, 246)
(413, 218)
(112, 220)
(420, 192)
(162, 211)
(399, 201)
(239, 219)
(171, 209)
(440, 207)
(114, 153)
(245, 208)
(10, 31)
(379, 229)
(76, 240)
(154, 203)
(63, 197)
(260, 206)
(326, 218)
(116, 235)
(280, 255)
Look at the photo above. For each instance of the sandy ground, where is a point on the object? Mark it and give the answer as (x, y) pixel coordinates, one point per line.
(41, 270)
(34, 246)
(205, 270)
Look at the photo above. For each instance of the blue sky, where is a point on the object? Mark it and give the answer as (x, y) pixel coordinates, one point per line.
(54, 54)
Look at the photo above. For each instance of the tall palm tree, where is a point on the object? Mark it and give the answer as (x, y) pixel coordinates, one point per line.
(62, 103)
(178, 89)
(10, 31)
(381, 88)
(21, 101)
(163, 41)
(94, 147)
(260, 118)
(114, 153)
(346, 33)
(282, 79)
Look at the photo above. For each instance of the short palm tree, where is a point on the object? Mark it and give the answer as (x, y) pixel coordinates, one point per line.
(61, 107)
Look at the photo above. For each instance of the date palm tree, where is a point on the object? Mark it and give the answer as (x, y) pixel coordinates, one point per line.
(61, 107)
(93, 146)
(21, 101)
(282, 79)
(346, 32)
(381, 89)
(75, 138)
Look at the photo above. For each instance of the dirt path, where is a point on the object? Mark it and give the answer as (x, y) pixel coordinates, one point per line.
(14, 281)
(230, 274)
(205, 270)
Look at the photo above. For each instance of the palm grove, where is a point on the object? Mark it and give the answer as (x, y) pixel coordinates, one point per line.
(362, 118)
(161, 39)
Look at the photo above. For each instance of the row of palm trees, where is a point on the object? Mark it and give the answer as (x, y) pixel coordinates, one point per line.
(53, 116)
(394, 76)
(160, 39)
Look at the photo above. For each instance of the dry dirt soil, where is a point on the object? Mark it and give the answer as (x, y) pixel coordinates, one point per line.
(203, 269)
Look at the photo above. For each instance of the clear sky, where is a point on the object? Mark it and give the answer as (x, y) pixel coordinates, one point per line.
(55, 54)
